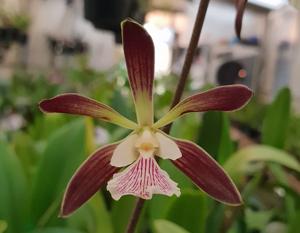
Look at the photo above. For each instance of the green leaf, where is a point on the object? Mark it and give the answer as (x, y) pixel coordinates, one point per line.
(98, 207)
(25, 148)
(216, 214)
(121, 212)
(164, 226)
(63, 154)
(185, 126)
(189, 211)
(13, 191)
(159, 206)
(92, 217)
(56, 230)
(294, 225)
(242, 161)
(215, 137)
(276, 122)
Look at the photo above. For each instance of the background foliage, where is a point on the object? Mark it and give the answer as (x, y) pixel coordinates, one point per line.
(38, 157)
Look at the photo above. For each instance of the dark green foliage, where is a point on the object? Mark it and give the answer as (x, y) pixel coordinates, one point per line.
(215, 136)
(276, 122)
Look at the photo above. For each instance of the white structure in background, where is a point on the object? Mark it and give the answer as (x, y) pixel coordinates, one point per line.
(163, 40)
(61, 21)
(282, 54)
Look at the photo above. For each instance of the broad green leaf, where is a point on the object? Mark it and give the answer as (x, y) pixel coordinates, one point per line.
(292, 141)
(185, 126)
(98, 207)
(13, 191)
(215, 217)
(164, 226)
(276, 122)
(242, 161)
(92, 217)
(121, 212)
(83, 219)
(45, 125)
(63, 154)
(56, 230)
(159, 206)
(215, 137)
(189, 211)
(25, 148)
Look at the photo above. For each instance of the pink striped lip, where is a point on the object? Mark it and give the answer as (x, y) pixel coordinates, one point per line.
(143, 179)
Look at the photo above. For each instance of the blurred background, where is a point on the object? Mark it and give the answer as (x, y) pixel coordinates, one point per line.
(49, 47)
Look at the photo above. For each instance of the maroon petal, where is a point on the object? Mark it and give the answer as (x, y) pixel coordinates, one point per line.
(88, 179)
(80, 105)
(240, 5)
(206, 173)
(224, 98)
(139, 56)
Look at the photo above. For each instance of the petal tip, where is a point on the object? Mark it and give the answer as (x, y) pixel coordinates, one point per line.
(130, 21)
(247, 94)
(196, 163)
(43, 105)
(65, 210)
(62, 215)
(235, 203)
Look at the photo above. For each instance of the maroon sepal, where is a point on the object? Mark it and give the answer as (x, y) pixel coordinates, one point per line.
(223, 98)
(88, 179)
(206, 173)
(73, 103)
(139, 56)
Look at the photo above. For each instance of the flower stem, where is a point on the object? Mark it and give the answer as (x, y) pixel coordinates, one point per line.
(135, 215)
(178, 94)
(189, 56)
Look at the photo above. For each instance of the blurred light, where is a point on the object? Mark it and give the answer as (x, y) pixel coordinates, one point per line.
(280, 191)
(242, 73)
(271, 4)
(120, 81)
(160, 89)
(162, 38)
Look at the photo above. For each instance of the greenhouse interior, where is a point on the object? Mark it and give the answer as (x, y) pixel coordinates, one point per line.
(149, 116)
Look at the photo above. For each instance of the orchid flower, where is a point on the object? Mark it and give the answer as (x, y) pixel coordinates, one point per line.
(136, 155)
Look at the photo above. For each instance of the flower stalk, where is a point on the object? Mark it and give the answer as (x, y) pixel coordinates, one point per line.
(198, 25)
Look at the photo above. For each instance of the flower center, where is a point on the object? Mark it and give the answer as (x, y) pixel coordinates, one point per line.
(146, 143)
(146, 146)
